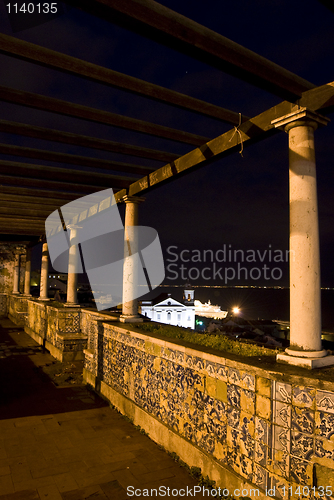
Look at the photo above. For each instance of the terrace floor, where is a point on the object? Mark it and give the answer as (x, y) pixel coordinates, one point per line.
(60, 441)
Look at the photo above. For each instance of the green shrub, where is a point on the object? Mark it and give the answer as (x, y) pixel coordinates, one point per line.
(219, 342)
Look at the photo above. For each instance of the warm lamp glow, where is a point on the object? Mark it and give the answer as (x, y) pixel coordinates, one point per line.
(236, 310)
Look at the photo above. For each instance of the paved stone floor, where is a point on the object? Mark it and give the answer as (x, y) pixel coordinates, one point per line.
(64, 442)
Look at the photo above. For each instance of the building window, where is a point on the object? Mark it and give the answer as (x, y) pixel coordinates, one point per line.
(189, 318)
(158, 316)
(179, 316)
(169, 316)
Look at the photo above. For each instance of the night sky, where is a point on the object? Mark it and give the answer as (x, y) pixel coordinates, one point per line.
(241, 201)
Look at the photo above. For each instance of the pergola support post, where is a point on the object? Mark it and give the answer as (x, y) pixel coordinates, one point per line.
(73, 263)
(27, 274)
(305, 290)
(43, 294)
(130, 271)
(16, 277)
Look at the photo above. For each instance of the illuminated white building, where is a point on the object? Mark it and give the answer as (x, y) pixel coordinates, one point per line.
(165, 309)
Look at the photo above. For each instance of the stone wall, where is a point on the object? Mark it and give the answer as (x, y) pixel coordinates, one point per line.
(3, 305)
(57, 328)
(17, 309)
(7, 258)
(244, 426)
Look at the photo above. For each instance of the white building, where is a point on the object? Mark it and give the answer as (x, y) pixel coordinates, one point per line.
(170, 311)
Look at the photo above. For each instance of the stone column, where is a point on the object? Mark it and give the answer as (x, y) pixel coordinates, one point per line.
(73, 266)
(130, 270)
(43, 293)
(16, 276)
(27, 274)
(305, 291)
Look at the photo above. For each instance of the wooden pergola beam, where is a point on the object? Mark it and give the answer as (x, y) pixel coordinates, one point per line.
(26, 213)
(35, 204)
(38, 154)
(43, 103)
(71, 184)
(319, 99)
(51, 59)
(42, 172)
(155, 21)
(45, 196)
(84, 141)
(24, 208)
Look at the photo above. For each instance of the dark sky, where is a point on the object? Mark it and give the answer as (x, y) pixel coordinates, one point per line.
(238, 201)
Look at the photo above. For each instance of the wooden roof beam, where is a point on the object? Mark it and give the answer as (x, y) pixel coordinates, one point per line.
(83, 161)
(45, 196)
(26, 213)
(43, 103)
(19, 207)
(70, 184)
(156, 22)
(42, 172)
(320, 99)
(84, 141)
(51, 59)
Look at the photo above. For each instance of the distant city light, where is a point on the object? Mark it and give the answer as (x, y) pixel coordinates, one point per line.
(236, 310)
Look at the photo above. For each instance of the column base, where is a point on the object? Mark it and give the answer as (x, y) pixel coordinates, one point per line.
(130, 318)
(16, 293)
(26, 295)
(43, 300)
(310, 361)
(71, 304)
(306, 354)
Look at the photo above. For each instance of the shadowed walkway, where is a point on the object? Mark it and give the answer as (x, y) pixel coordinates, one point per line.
(66, 443)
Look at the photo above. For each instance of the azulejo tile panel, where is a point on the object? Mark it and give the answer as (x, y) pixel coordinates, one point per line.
(268, 431)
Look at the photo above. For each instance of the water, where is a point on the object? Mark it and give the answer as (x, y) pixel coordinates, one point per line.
(254, 303)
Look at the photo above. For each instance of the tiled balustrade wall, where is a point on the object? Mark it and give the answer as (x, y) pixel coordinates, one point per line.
(268, 429)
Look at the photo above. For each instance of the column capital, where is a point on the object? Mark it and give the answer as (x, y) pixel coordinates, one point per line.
(132, 199)
(299, 117)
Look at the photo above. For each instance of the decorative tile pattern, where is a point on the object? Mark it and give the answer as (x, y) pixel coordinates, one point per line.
(303, 396)
(233, 395)
(282, 392)
(301, 445)
(325, 425)
(282, 413)
(325, 401)
(261, 454)
(302, 420)
(233, 376)
(300, 471)
(324, 449)
(213, 406)
(233, 417)
(262, 431)
(281, 438)
(248, 381)
(280, 464)
(260, 477)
